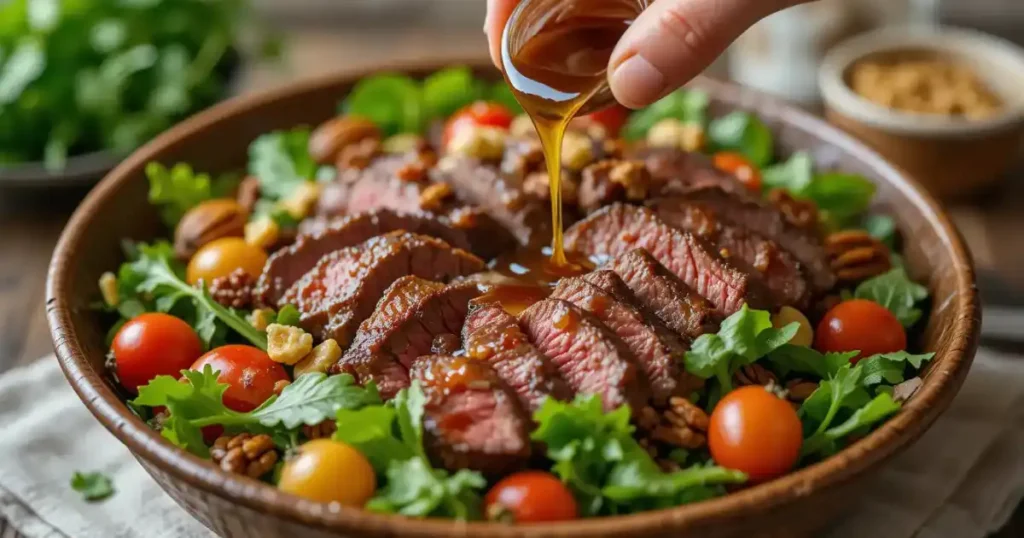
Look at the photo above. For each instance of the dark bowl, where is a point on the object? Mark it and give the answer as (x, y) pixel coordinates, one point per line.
(798, 504)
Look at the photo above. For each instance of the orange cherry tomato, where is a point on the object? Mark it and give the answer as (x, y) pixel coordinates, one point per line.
(756, 432)
(530, 497)
(329, 471)
(248, 372)
(221, 257)
(480, 113)
(736, 164)
(611, 118)
(153, 344)
(860, 325)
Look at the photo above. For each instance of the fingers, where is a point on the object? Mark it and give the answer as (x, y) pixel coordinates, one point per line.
(498, 12)
(674, 40)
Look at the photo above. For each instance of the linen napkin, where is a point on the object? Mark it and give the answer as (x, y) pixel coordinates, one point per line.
(962, 479)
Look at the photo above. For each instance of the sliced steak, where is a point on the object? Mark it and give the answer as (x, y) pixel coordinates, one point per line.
(493, 335)
(471, 419)
(617, 229)
(674, 170)
(288, 265)
(589, 356)
(661, 291)
(754, 214)
(374, 187)
(748, 250)
(657, 350)
(445, 344)
(340, 292)
(411, 313)
(499, 195)
(613, 180)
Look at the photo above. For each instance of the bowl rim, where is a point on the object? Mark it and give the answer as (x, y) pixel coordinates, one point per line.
(150, 448)
(972, 43)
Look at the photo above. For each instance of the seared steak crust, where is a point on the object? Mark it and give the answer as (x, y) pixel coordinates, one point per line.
(590, 358)
(411, 313)
(340, 292)
(493, 335)
(617, 229)
(471, 419)
(661, 291)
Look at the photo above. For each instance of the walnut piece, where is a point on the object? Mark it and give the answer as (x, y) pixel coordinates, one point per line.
(260, 318)
(683, 424)
(287, 345)
(262, 233)
(634, 178)
(108, 288)
(206, 222)
(434, 196)
(302, 200)
(319, 359)
(332, 136)
(246, 454)
(754, 374)
(577, 151)
(672, 133)
(485, 143)
(234, 290)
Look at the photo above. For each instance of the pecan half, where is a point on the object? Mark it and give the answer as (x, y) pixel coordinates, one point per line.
(855, 256)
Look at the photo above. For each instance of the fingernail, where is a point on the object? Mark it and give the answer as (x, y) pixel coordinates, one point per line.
(637, 83)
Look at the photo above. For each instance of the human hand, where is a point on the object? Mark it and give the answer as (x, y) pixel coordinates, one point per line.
(669, 44)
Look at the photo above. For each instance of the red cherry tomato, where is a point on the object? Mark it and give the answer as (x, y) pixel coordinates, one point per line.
(530, 497)
(756, 432)
(860, 325)
(153, 344)
(611, 118)
(248, 372)
(739, 166)
(480, 113)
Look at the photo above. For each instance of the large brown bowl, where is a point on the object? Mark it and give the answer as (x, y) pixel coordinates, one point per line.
(798, 504)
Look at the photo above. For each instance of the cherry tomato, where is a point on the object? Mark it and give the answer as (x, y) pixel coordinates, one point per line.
(530, 497)
(860, 325)
(756, 432)
(480, 113)
(151, 345)
(222, 256)
(329, 471)
(738, 165)
(611, 118)
(248, 372)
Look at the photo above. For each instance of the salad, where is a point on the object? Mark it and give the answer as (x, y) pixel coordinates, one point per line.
(370, 300)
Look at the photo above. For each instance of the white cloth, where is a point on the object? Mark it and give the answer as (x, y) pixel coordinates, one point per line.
(963, 478)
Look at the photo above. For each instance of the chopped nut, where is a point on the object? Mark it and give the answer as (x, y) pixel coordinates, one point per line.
(800, 213)
(403, 143)
(413, 172)
(319, 359)
(754, 374)
(288, 345)
(280, 385)
(322, 430)
(246, 454)
(522, 127)
(302, 200)
(234, 290)
(683, 424)
(480, 142)
(693, 137)
(206, 222)
(332, 136)
(672, 133)
(577, 151)
(856, 256)
(260, 318)
(434, 196)
(799, 390)
(262, 233)
(538, 185)
(634, 178)
(108, 288)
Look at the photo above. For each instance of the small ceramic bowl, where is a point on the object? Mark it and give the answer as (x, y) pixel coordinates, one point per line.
(951, 156)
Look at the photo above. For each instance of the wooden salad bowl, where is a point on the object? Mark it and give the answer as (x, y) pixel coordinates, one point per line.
(798, 504)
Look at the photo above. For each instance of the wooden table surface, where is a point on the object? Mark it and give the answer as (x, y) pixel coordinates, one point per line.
(30, 222)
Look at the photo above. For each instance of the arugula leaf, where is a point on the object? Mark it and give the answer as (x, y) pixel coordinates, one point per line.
(794, 175)
(687, 106)
(311, 399)
(744, 337)
(154, 276)
(895, 291)
(842, 390)
(393, 101)
(805, 360)
(448, 90)
(867, 415)
(176, 190)
(93, 486)
(889, 367)
(595, 453)
(743, 132)
(280, 161)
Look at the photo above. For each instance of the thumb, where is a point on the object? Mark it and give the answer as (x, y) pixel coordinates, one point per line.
(672, 41)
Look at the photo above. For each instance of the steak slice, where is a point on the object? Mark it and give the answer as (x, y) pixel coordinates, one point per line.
(673, 170)
(746, 249)
(287, 265)
(589, 356)
(471, 419)
(752, 213)
(499, 195)
(670, 299)
(618, 228)
(340, 292)
(411, 313)
(656, 349)
(493, 335)
(374, 187)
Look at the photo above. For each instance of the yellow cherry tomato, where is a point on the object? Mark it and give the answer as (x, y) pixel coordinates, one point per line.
(221, 257)
(329, 471)
(804, 334)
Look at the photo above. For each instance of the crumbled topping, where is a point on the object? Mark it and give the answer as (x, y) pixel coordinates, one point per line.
(287, 345)
(485, 143)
